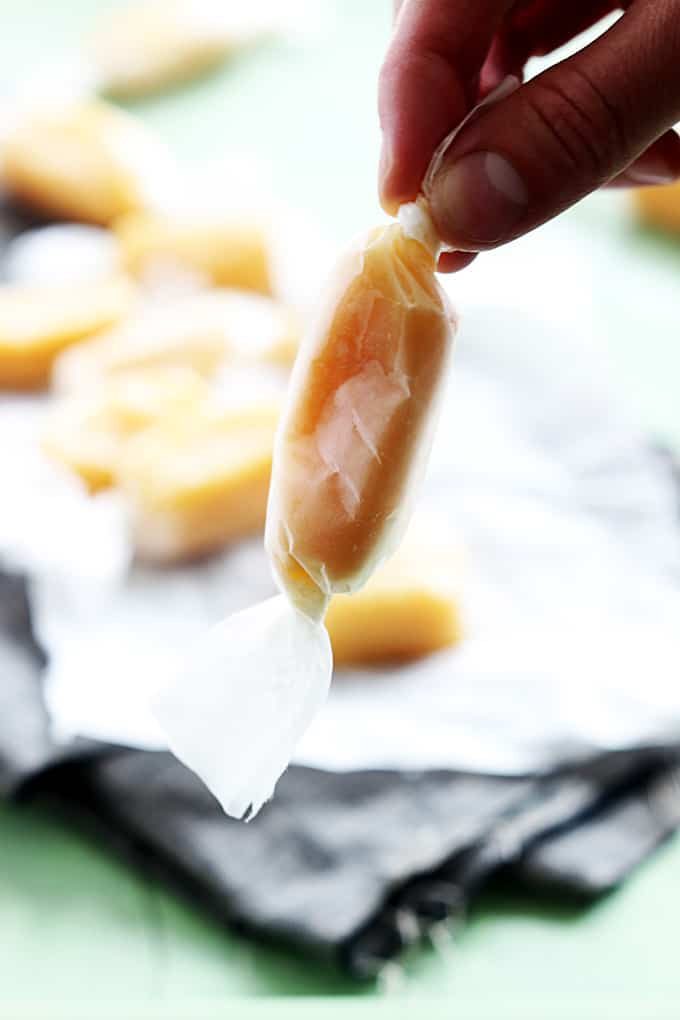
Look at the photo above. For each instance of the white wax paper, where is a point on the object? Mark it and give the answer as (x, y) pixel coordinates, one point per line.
(572, 584)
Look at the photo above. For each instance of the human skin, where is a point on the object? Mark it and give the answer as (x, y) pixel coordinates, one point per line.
(600, 117)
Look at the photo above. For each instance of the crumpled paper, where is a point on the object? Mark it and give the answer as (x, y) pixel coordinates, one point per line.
(572, 592)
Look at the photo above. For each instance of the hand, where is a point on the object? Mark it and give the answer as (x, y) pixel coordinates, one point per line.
(599, 117)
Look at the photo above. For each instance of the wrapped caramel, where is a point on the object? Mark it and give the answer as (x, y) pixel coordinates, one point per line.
(350, 450)
(359, 420)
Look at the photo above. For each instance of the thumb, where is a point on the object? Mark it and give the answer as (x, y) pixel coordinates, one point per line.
(567, 132)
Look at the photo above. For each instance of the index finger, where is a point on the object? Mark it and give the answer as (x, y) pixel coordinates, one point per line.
(428, 82)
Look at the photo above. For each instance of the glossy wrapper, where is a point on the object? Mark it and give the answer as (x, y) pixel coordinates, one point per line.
(350, 451)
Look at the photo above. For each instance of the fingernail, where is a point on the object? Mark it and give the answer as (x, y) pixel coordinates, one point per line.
(650, 168)
(478, 201)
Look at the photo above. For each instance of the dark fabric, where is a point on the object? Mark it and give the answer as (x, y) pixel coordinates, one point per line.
(24, 740)
(596, 854)
(353, 866)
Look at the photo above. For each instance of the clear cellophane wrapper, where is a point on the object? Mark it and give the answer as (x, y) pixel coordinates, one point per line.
(351, 449)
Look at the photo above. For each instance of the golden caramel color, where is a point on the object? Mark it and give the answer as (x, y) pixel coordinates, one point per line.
(38, 322)
(360, 418)
(204, 331)
(408, 609)
(198, 482)
(83, 162)
(89, 433)
(224, 253)
(144, 47)
(155, 340)
(660, 207)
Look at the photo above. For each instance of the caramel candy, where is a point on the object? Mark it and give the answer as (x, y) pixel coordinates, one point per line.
(83, 161)
(160, 337)
(409, 608)
(349, 453)
(38, 322)
(223, 252)
(194, 483)
(146, 46)
(359, 420)
(660, 207)
(88, 433)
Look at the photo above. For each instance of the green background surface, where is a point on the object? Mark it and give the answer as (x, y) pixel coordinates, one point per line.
(80, 933)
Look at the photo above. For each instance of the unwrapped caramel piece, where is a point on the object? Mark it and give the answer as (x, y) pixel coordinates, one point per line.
(159, 337)
(142, 47)
(224, 252)
(82, 161)
(409, 608)
(88, 432)
(39, 321)
(660, 207)
(194, 483)
(203, 331)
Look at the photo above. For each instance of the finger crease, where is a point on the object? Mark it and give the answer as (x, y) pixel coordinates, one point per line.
(613, 113)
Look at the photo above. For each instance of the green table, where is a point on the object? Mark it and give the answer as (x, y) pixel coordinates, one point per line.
(80, 934)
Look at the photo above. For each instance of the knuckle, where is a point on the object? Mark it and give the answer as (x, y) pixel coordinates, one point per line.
(587, 130)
